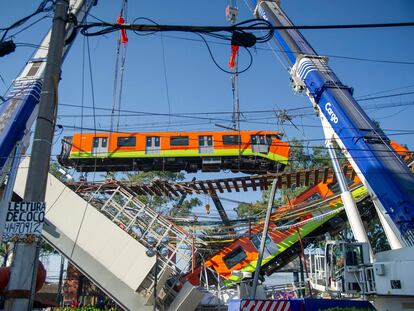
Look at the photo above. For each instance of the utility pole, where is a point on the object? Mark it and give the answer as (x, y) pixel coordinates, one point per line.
(21, 287)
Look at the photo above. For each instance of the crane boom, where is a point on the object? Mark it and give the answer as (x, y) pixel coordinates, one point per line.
(20, 107)
(389, 180)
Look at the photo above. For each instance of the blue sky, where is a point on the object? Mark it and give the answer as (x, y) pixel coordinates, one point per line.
(194, 83)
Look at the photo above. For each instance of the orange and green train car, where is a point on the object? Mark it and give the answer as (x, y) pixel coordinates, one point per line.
(281, 244)
(241, 255)
(244, 151)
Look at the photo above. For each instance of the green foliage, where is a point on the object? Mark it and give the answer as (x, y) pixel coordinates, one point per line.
(46, 248)
(54, 168)
(301, 158)
(376, 235)
(186, 208)
(245, 210)
(163, 204)
(147, 177)
(305, 157)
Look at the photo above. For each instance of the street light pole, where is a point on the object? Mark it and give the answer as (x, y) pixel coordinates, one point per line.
(156, 249)
(155, 280)
(264, 236)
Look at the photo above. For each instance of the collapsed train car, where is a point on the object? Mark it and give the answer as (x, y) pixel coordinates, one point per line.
(317, 210)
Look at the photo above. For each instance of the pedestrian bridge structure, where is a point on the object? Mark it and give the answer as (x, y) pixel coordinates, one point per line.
(105, 236)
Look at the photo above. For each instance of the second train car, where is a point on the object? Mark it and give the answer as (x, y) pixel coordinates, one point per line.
(245, 151)
(320, 203)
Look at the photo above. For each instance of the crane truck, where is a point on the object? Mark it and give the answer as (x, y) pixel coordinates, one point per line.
(350, 267)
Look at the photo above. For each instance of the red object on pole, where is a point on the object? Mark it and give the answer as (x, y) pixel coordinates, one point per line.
(5, 277)
(124, 39)
(234, 51)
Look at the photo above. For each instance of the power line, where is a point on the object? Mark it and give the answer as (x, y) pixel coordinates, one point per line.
(386, 91)
(194, 115)
(284, 51)
(384, 96)
(252, 25)
(43, 7)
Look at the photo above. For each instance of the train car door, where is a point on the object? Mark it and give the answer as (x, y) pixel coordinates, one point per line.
(152, 145)
(205, 144)
(100, 146)
(259, 144)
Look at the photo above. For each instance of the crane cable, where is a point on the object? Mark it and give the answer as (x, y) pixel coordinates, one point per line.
(231, 14)
(121, 50)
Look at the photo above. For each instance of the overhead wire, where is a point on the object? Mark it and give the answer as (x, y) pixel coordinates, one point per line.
(167, 91)
(386, 91)
(43, 7)
(194, 115)
(121, 50)
(277, 51)
(95, 166)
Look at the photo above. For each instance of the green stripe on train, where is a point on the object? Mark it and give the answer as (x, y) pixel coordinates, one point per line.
(180, 153)
(358, 194)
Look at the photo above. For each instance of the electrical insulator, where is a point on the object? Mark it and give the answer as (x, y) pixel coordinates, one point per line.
(231, 13)
(207, 208)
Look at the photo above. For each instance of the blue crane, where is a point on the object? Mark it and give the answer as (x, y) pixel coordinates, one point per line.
(367, 148)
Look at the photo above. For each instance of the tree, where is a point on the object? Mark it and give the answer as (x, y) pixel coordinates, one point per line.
(57, 170)
(187, 206)
(163, 204)
(301, 158)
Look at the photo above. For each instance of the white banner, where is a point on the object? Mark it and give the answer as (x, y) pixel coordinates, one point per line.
(24, 221)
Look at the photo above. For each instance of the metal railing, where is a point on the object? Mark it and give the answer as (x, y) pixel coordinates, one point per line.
(123, 208)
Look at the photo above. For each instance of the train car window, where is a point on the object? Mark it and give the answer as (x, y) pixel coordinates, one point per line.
(270, 138)
(153, 141)
(104, 142)
(205, 140)
(127, 141)
(179, 141)
(231, 139)
(335, 188)
(353, 255)
(235, 257)
(95, 142)
(258, 140)
(270, 246)
(313, 197)
(283, 223)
